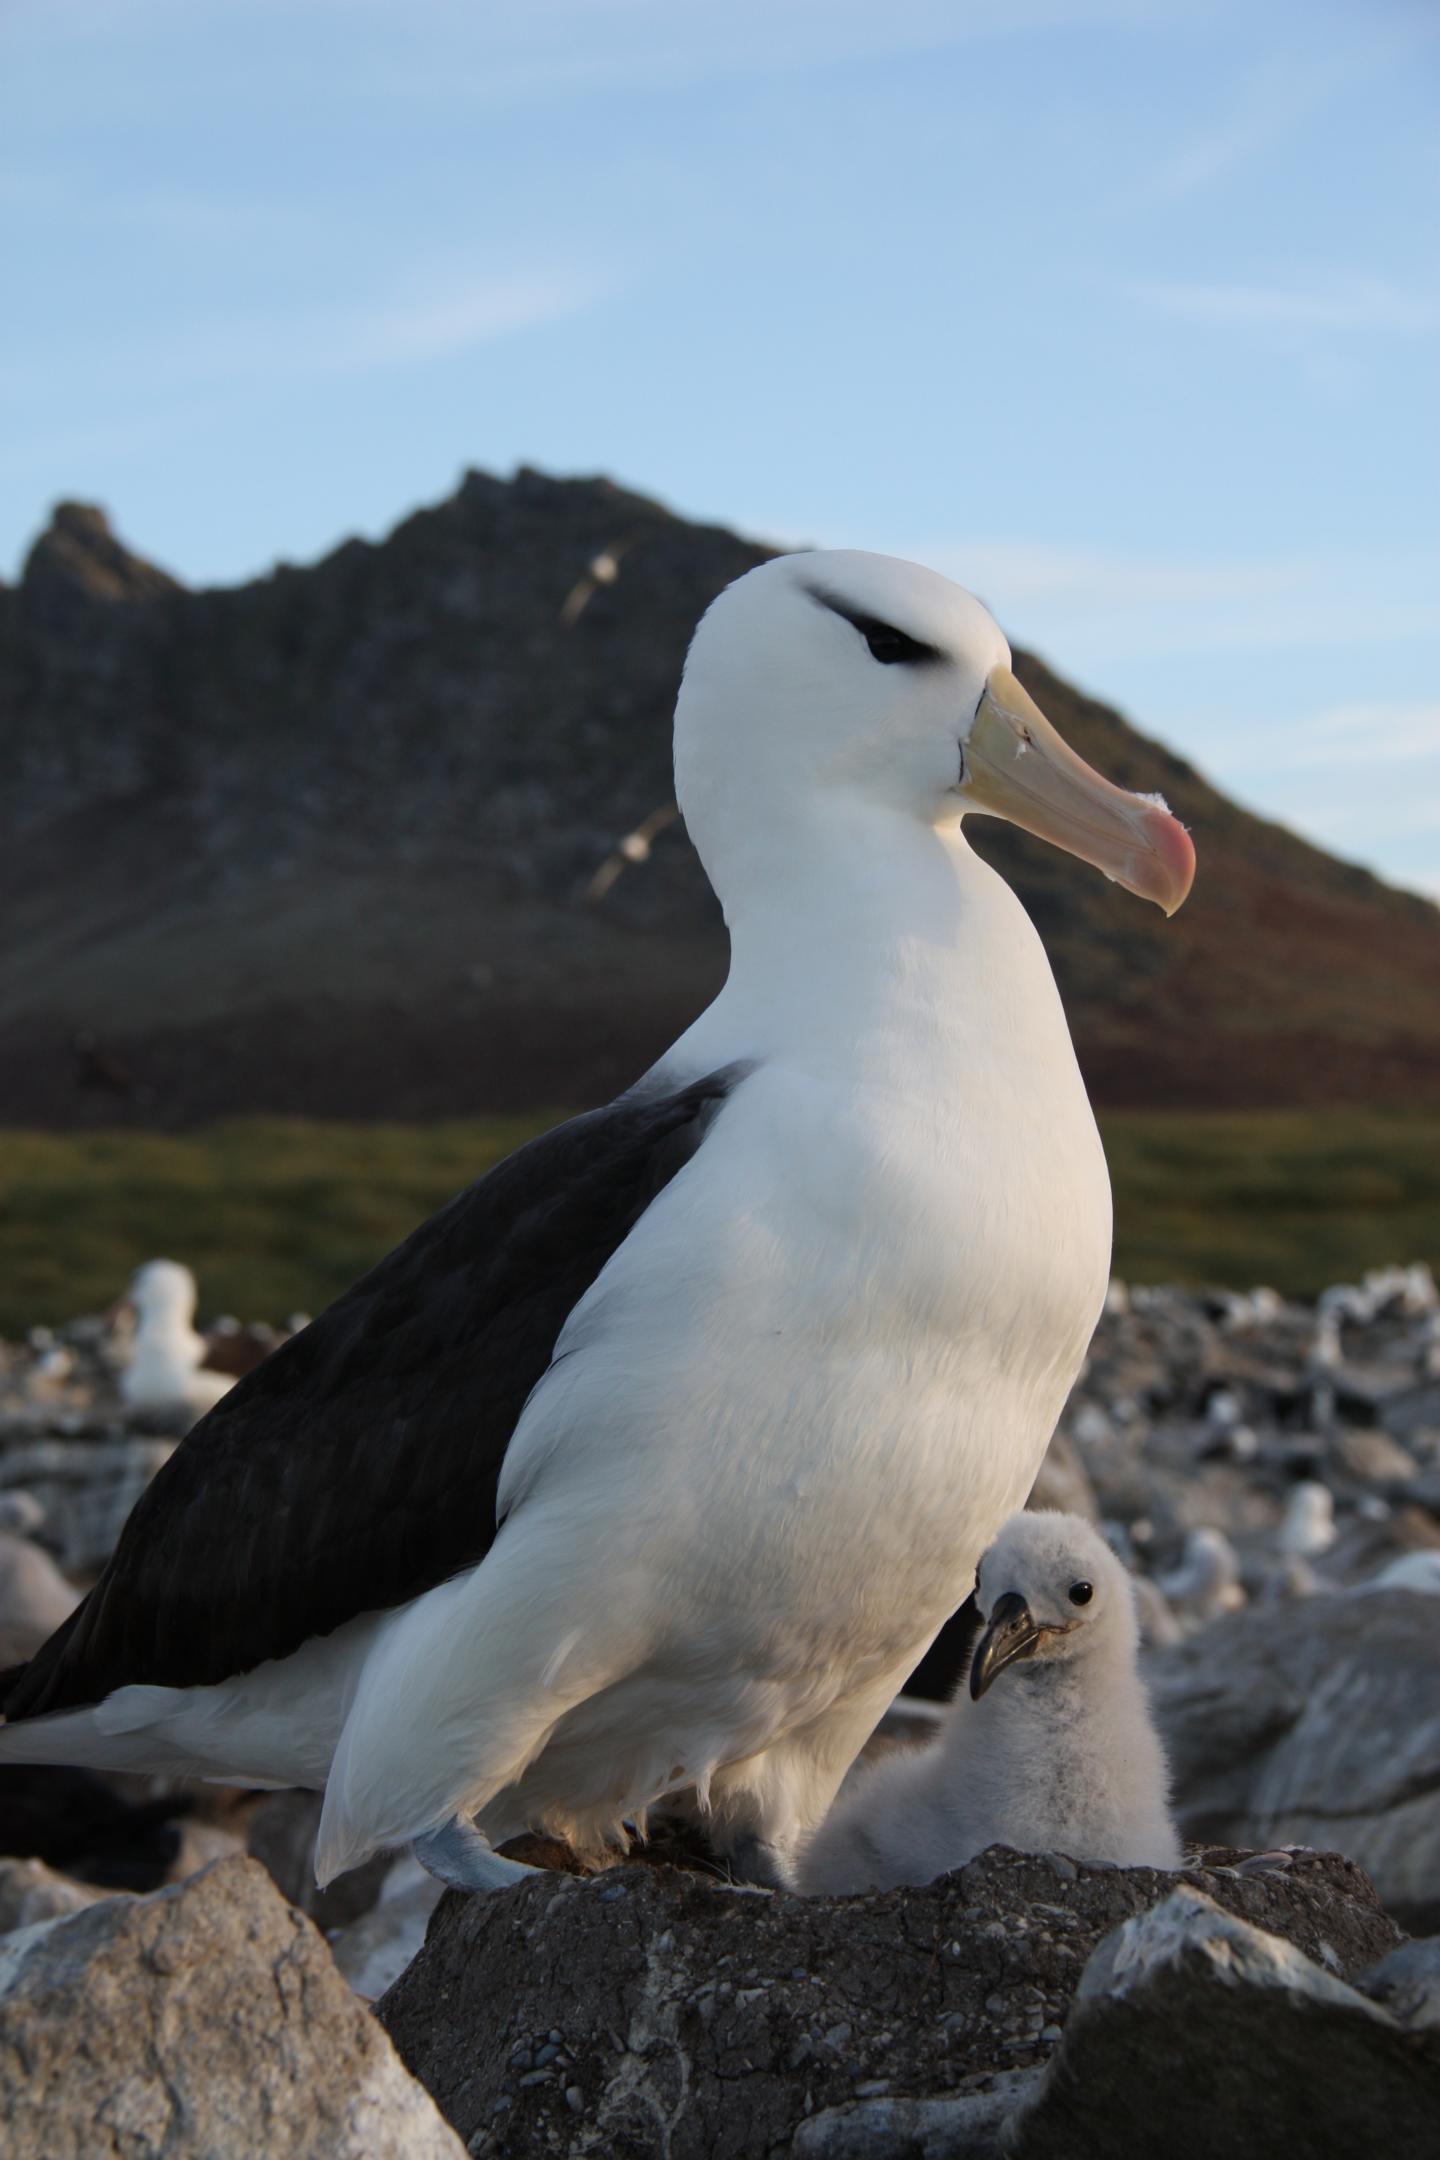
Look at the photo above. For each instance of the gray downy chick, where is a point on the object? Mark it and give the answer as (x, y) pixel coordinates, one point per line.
(1049, 1748)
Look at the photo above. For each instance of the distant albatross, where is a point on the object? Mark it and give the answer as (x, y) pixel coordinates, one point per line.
(652, 1463)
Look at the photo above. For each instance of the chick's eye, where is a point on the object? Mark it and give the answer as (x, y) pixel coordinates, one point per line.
(1081, 1593)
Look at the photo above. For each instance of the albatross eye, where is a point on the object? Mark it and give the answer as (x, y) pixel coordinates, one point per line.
(887, 645)
(1081, 1593)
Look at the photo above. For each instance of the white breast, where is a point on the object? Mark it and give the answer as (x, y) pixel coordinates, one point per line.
(837, 1344)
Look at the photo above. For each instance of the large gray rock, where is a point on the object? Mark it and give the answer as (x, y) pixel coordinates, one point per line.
(1315, 1724)
(649, 2011)
(34, 1598)
(1195, 2034)
(203, 2022)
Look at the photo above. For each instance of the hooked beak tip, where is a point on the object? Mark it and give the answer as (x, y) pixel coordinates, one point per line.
(1012, 1633)
(1169, 872)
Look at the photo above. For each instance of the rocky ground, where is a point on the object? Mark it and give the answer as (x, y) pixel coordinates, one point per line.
(171, 1983)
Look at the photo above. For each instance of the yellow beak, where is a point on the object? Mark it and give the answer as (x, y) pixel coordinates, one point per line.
(1017, 767)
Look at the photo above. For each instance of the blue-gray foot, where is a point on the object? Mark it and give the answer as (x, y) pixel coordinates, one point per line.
(461, 1856)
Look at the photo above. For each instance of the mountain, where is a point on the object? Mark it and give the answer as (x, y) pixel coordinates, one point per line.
(329, 842)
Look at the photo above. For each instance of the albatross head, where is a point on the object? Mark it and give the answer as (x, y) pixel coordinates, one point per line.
(839, 674)
(1050, 1590)
(162, 1295)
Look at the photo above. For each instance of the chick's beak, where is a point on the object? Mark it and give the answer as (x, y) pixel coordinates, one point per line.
(1011, 1634)
(1019, 768)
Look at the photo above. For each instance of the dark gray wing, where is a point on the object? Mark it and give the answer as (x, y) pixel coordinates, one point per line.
(357, 1466)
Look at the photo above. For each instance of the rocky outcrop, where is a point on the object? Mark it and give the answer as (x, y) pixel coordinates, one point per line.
(1192, 2033)
(1199, 2033)
(651, 2012)
(1315, 1723)
(201, 2022)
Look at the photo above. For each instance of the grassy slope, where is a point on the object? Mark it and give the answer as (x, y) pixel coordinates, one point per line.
(276, 1215)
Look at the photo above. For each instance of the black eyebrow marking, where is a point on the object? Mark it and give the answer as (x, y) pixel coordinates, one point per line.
(911, 650)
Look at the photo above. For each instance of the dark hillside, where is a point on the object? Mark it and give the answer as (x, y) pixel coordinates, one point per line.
(325, 843)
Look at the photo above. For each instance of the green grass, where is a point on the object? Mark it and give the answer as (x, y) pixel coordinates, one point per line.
(276, 1215)
(1294, 1198)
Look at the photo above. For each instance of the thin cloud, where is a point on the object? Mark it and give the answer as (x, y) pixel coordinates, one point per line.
(1362, 778)
(1272, 102)
(1346, 304)
(1370, 734)
(415, 325)
(1086, 603)
(1365, 733)
(518, 52)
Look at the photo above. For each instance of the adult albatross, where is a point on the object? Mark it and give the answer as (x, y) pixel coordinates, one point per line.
(652, 1463)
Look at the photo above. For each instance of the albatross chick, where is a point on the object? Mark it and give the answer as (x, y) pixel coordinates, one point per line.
(1050, 1749)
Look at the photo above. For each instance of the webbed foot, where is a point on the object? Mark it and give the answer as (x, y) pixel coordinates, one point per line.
(461, 1856)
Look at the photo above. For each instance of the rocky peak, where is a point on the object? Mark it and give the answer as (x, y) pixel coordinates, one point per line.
(78, 554)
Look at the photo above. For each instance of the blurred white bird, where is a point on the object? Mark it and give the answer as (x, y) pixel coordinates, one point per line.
(1309, 1524)
(1207, 1581)
(164, 1373)
(1052, 1748)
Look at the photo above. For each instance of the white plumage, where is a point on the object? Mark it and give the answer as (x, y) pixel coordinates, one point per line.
(1207, 1581)
(164, 1374)
(1058, 1754)
(1308, 1526)
(785, 1420)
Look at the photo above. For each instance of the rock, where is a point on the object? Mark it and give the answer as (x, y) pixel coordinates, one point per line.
(78, 1822)
(281, 1836)
(1371, 1455)
(1407, 1982)
(1064, 1482)
(1321, 1730)
(1411, 1411)
(86, 1487)
(1194, 2033)
(34, 1598)
(650, 2012)
(375, 1949)
(199, 1844)
(206, 2020)
(1410, 1571)
(30, 1891)
(969, 2126)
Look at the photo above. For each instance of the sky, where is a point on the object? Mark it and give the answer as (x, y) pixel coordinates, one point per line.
(1125, 313)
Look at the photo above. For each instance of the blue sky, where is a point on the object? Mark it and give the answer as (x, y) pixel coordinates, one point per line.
(1124, 312)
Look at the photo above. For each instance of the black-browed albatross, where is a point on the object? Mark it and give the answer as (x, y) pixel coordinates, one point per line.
(652, 1463)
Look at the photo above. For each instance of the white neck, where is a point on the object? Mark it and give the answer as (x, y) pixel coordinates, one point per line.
(881, 938)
